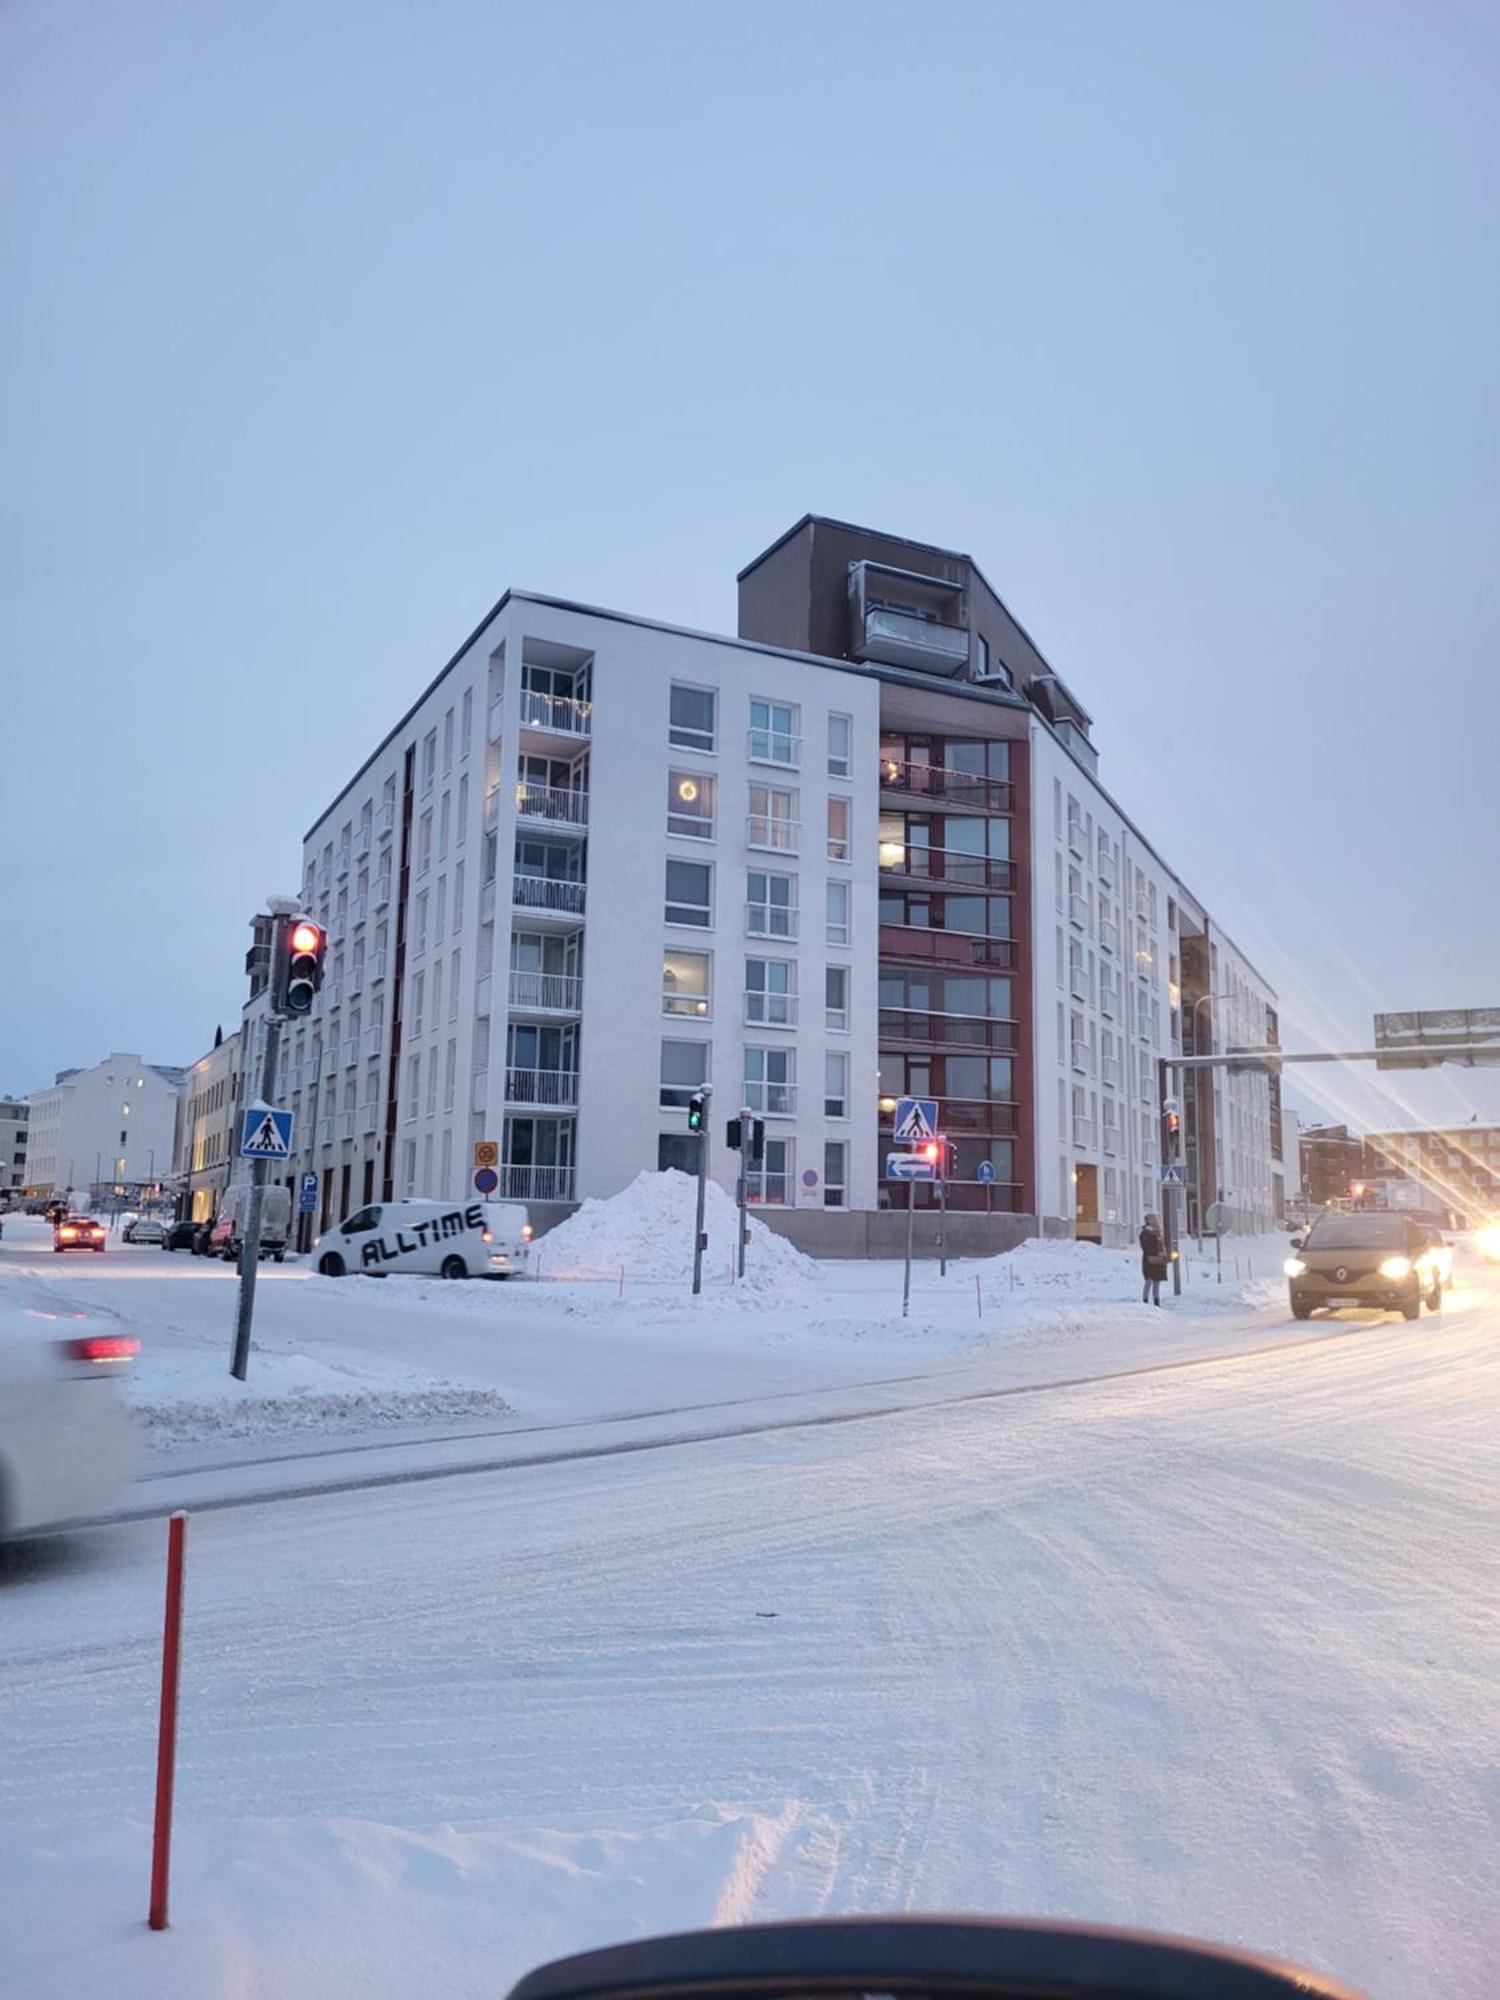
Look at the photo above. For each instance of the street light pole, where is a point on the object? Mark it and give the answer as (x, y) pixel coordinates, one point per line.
(1203, 1000)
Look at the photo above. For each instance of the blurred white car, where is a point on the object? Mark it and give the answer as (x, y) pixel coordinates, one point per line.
(1487, 1242)
(67, 1443)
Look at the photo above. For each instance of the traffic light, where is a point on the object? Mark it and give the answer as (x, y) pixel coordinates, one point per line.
(732, 1135)
(1172, 1120)
(931, 1150)
(301, 967)
(757, 1138)
(697, 1108)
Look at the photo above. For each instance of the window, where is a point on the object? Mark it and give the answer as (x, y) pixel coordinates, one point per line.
(413, 1087)
(437, 992)
(773, 733)
(440, 910)
(463, 809)
(447, 742)
(429, 760)
(770, 993)
(771, 909)
(840, 735)
(838, 829)
(445, 823)
(418, 991)
(685, 982)
(458, 897)
(770, 1081)
(450, 1073)
(455, 965)
(677, 1152)
(837, 922)
(690, 804)
(836, 996)
(982, 658)
(424, 842)
(466, 727)
(689, 893)
(769, 1179)
(836, 1084)
(773, 818)
(693, 718)
(684, 1070)
(432, 1063)
(835, 1174)
(420, 942)
(409, 1165)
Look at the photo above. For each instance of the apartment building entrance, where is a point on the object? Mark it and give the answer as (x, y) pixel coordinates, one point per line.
(1086, 1204)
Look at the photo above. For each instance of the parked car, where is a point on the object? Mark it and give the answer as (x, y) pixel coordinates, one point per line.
(440, 1239)
(67, 1446)
(78, 1232)
(1378, 1258)
(145, 1229)
(228, 1228)
(180, 1235)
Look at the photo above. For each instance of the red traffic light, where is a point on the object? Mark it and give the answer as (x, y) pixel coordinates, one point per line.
(305, 936)
(930, 1150)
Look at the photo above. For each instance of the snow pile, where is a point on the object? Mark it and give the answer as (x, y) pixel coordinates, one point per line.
(647, 1231)
(228, 1418)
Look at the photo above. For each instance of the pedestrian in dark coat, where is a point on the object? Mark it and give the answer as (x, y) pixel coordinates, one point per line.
(1153, 1261)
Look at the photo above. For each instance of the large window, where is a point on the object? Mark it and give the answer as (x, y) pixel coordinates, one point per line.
(684, 1070)
(840, 736)
(769, 1179)
(835, 1174)
(771, 1081)
(773, 818)
(836, 1084)
(694, 714)
(429, 760)
(690, 804)
(685, 982)
(773, 733)
(690, 893)
(836, 996)
(837, 924)
(771, 907)
(839, 811)
(770, 992)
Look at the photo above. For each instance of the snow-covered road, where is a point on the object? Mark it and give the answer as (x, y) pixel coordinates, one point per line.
(1214, 1648)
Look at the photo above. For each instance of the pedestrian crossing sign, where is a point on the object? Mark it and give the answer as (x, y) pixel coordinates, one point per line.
(916, 1119)
(265, 1134)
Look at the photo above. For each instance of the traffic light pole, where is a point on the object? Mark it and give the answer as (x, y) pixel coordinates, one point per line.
(707, 1095)
(239, 1366)
(747, 1142)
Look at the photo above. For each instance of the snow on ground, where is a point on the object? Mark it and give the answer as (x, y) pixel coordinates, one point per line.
(1213, 1650)
(647, 1230)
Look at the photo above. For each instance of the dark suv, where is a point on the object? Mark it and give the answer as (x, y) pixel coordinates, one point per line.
(1390, 1261)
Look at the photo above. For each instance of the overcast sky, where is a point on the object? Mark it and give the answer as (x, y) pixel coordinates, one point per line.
(325, 324)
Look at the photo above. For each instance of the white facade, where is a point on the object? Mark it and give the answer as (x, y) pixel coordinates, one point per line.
(600, 863)
(108, 1126)
(1109, 923)
(15, 1123)
(203, 1146)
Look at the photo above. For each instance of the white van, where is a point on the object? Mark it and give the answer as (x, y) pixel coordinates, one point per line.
(234, 1210)
(441, 1239)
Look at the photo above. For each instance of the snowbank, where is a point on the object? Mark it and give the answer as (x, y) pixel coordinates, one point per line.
(647, 1231)
(227, 1418)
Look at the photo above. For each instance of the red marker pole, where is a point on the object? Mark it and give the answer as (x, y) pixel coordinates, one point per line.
(166, 1739)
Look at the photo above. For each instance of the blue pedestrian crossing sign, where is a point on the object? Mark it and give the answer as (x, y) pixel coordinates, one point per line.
(1172, 1174)
(307, 1194)
(265, 1134)
(916, 1119)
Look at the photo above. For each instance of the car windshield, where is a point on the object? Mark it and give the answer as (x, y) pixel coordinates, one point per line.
(1357, 1232)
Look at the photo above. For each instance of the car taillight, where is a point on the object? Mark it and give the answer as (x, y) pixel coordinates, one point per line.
(105, 1347)
(525, 1232)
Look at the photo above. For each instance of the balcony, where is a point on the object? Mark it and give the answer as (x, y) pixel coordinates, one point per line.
(1081, 1057)
(905, 639)
(372, 1041)
(330, 1063)
(1111, 1140)
(555, 714)
(325, 1131)
(915, 1027)
(956, 788)
(551, 805)
(771, 1100)
(770, 920)
(1078, 910)
(1109, 1001)
(1109, 934)
(1078, 982)
(774, 746)
(341, 862)
(1077, 841)
(556, 1089)
(382, 891)
(536, 1183)
(919, 945)
(1109, 1072)
(770, 1010)
(369, 1115)
(1106, 867)
(766, 830)
(547, 895)
(946, 865)
(361, 911)
(385, 820)
(546, 992)
(351, 1051)
(346, 1124)
(1083, 1131)
(364, 838)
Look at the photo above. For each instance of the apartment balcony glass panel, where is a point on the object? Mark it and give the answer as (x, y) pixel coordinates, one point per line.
(546, 992)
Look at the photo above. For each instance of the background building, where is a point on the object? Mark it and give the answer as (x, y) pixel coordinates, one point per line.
(203, 1147)
(1454, 1168)
(105, 1131)
(15, 1120)
(1333, 1160)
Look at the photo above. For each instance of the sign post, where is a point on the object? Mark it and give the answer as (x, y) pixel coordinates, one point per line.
(265, 1135)
(909, 1167)
(700, 1109)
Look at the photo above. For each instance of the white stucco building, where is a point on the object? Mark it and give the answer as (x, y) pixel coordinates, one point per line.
(15, 1126)
(203, 1154)
(107, 1127)
(599, 863)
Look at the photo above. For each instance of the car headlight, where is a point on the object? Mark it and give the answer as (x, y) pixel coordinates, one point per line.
(1295, 1268)
(1396, 1267)
(1488, 1240)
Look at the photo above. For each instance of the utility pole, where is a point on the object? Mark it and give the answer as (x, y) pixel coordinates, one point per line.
(698, 1109)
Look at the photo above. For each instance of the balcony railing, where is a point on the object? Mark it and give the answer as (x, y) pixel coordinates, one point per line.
(948, 865)
(360, 912)
(902, 639)
(385, 821)
(1078, 983)
(772, 1100)
(1106, 866)
(325, 1131)
(921, 1028)
(487, 901)
(770, 920)
(363, 837)
(915, 942)
(369, 1115)
(1077, 843)
(771, 1010)
(560, 715)
(1109, 934)
(1109, 1072)
(1078, 910)
(547, 892)
(372, 1038)
(1083, 1131)
(935, 781)
(766, 830)
(341, 861)
(547, 992)
(346, 1124)
(330, 1064)
(351, 1051)
(1109, 1001)
(557, 1088)
(971, 1115)
(774, 746)
(382, 891)
(1112, 1140)
(1081, 1056)
(556, 805)
(536, 1183)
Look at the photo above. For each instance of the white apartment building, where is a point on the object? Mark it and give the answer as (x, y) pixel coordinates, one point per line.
(203, 1151)
(600, 863)
(15, 1121)
(1115, 994)
(105, 1128)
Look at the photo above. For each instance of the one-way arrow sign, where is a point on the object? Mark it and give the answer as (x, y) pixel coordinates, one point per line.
(909, 1167)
